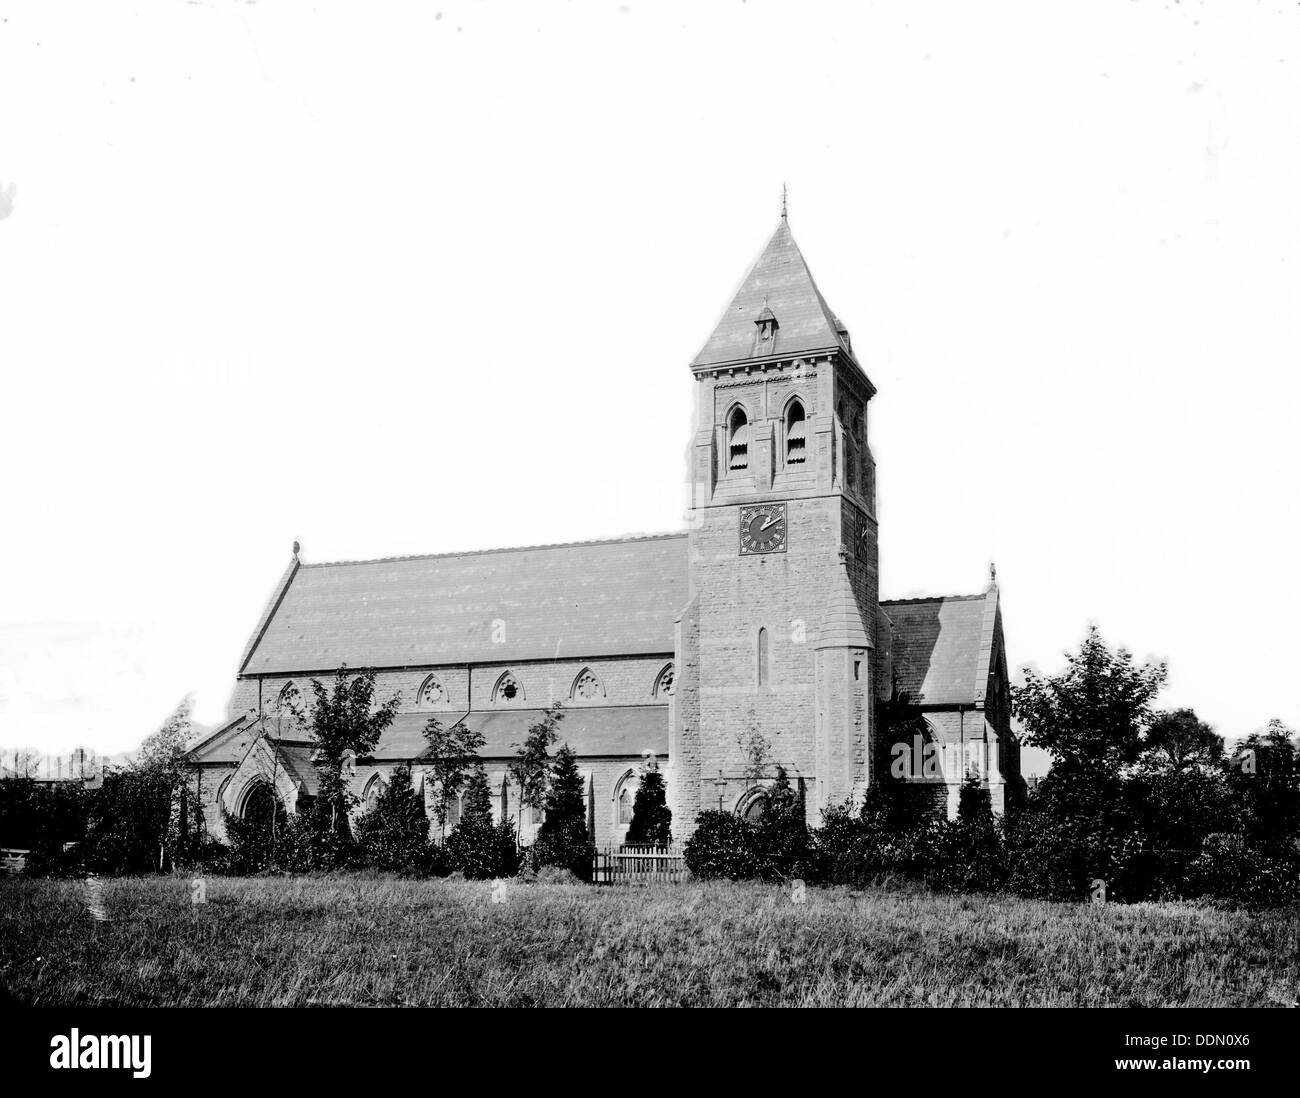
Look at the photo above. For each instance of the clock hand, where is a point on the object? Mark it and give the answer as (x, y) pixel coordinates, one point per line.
(768, 523)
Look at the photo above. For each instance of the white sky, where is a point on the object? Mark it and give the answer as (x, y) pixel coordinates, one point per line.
(408, 278)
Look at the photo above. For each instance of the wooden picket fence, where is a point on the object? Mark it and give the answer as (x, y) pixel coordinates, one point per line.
(634, 864)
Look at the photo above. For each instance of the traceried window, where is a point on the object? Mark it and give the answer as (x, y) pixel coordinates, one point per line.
(738, 440)
(433, 695)
(757, 806)
(664, 683)
(625, 805)
(796, 434)
(586, 687)
(508, 688)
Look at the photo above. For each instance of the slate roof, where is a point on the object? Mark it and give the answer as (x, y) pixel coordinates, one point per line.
(595, 730)
(841, 625)
(781, 282)
(587, 599)
(942, 646)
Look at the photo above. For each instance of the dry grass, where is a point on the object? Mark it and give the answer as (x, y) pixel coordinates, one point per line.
(359, 941)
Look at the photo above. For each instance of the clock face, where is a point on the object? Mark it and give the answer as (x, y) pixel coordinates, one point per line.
(864, 539)
(763, 529)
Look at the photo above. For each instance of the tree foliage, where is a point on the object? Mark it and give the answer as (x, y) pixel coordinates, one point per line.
(652, 820)
(1091, 716)
(563, 839)
(394, 834)
(452, 756)
(344, 719)
(477, 847)
(530, 768)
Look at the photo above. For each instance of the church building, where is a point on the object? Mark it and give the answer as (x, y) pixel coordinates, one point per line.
(754, 638)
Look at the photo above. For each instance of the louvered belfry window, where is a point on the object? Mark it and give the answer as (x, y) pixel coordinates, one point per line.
(796, 435)
(738, 441)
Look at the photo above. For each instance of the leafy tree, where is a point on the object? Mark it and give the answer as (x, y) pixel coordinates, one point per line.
(1091, 716)
(1178, 739)
(563, 839)
(530, 768)
(782, 831)
(652, 819)
(969, 855)
(1264, 780)
(163, 755)
(452, 755)
(345, 719)
(566, 798)
(394, 834)
(477, 847)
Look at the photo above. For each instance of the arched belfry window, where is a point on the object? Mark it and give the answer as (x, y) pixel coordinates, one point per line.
(764, 671)
(738, 440)
(796, 434)
(508, 689)
(586, 687)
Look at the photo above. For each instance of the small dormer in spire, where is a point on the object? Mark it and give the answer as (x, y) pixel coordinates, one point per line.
(767, 326)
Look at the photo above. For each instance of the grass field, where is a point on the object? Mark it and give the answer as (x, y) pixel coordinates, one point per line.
(379, 941)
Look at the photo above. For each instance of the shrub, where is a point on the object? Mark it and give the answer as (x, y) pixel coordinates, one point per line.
(968, 855)
(563, 839)
(723, 845)
(480, 851)
(782, 844)
(652, 819)
(394, 835)
(1231, 868)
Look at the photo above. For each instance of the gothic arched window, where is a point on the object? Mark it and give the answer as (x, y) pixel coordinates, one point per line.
(432, 694)
(586, 686)
(796, 434)
(738, 439)
(508, 689)
(370, 798)
(764, 670)
(625, 798)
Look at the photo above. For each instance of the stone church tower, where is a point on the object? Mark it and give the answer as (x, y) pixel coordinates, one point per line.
(778, 639)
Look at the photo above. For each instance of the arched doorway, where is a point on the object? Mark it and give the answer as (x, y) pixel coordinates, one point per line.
(260, 802)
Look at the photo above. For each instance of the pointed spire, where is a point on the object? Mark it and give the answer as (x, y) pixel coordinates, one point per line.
(781, 283)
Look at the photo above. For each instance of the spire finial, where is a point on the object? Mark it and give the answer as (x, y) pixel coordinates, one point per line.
(296, 548)
(993, 574)
(784, 195)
